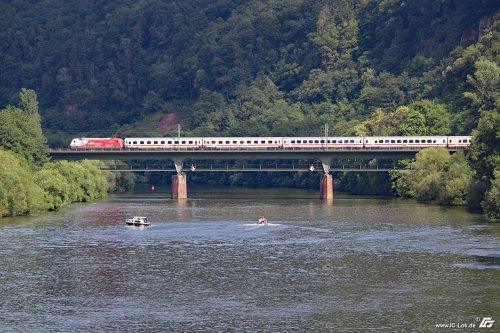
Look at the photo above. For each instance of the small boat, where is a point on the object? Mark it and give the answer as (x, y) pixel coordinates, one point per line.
(262, 220)
(138, 221)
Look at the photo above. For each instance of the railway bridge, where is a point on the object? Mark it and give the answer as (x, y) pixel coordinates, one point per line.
(330, 159)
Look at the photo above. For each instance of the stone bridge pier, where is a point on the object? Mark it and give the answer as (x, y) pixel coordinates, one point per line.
(179, 182)
(326, 181)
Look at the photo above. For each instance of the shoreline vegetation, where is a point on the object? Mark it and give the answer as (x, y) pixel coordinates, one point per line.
(29, 181)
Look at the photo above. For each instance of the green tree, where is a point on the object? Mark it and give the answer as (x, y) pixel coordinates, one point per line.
(21, 131)
(455, 179)
(28, 102)
(484, 157)
(19, 195)
(437, 176)
(413, 124)
(56, 188)
(491, 203)
(486, 84)
(437, 118)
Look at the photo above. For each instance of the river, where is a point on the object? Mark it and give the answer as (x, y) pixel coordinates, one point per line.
(351, 265)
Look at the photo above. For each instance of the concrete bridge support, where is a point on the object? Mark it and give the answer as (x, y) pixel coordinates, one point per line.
(179, 187)
(179, 182)
(326, 182)
(326, 187)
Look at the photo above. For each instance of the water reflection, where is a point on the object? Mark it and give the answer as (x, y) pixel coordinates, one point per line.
(205, 265)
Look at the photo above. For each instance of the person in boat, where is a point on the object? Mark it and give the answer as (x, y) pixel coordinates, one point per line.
(262, 220)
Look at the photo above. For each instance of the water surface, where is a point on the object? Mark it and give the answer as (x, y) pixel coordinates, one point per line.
(354, 264)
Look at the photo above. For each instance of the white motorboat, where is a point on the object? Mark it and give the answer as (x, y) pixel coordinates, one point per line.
(138, 221)
(262, 220)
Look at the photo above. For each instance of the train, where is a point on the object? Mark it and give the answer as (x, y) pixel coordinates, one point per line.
(270, 142)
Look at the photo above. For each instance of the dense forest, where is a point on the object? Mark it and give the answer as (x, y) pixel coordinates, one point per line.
(29, 181)
(267, 67)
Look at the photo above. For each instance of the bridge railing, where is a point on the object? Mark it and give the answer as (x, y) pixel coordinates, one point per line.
(247, 149)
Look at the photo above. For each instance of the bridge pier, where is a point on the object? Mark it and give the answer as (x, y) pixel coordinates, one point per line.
(326, 187)
(179, 186)
(179, 181)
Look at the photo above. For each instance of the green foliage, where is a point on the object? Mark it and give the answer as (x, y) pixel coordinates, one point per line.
(85, 180)
(20, 130)
(403, 121)
(119, 181)
(97, 66)
(486, 84)
(485, 156)
(57, 191)
(437, 176)
(437, 118)
(231, 67)
(19, 195)
(455, 181)
(491, 203)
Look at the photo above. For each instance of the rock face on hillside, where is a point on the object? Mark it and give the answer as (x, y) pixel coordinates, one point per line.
(169, 122)
(473, 34)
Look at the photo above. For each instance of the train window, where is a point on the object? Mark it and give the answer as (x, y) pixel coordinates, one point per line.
(183, 142)
(417, 141)
(429, 141)
(269, 141)
(162, 142)
(141, 142)
(228, 142)
(316, 141)
(459, 141)
(190, 142)
(398, 141)
(255, 141)
(293, 141)
(242, 142)
(366, 141)
(351, 141)
(393, 141)
(221, 142)
(322, 141)
(169, 142)
(386, 141)
(249, 141)
(155, 142)
(405, 141)
(410, 141)
(235, 142)
(262, 141)
(149, 142)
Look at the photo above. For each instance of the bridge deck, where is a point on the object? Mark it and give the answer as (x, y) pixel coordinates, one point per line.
(212, 153)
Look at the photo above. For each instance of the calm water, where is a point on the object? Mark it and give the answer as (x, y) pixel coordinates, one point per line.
(204, 265)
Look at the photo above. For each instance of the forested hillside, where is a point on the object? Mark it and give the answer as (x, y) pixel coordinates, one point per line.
(241, 66)
(261, 67)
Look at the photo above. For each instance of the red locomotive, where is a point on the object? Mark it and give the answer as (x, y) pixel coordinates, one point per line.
(100, 143)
